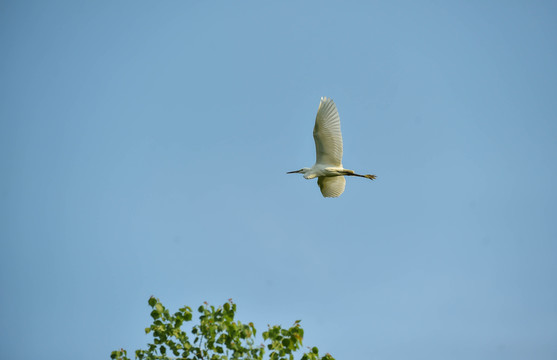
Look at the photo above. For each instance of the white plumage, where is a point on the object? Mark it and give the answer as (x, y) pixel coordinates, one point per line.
(328, 150)
(327, 135)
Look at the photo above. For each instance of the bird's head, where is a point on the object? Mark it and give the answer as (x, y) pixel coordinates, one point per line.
(301, 171)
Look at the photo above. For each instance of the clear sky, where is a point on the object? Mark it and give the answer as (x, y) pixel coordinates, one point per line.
(144, 146)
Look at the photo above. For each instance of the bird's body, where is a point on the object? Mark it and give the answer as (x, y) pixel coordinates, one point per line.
(328, 148)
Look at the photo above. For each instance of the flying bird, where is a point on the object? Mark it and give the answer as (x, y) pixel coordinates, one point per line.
(328, 147)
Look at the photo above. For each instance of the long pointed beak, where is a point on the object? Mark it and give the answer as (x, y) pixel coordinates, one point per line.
(294, 172)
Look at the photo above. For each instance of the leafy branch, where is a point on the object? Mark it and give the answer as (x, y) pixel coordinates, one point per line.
(216, 337)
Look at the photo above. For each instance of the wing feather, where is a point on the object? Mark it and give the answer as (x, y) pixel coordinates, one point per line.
(331, 186)
(327, 135)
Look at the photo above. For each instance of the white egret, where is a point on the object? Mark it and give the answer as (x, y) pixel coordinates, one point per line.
(328, 147)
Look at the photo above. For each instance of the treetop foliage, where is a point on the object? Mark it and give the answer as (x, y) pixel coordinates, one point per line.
(216, 337)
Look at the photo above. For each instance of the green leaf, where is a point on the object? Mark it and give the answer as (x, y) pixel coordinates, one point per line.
(159, 307)
(152, 301)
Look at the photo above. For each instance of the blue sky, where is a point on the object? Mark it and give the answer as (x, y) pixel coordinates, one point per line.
(144, 149)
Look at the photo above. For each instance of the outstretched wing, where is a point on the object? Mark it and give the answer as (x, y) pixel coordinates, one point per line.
(331, 186)
(327, 135)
